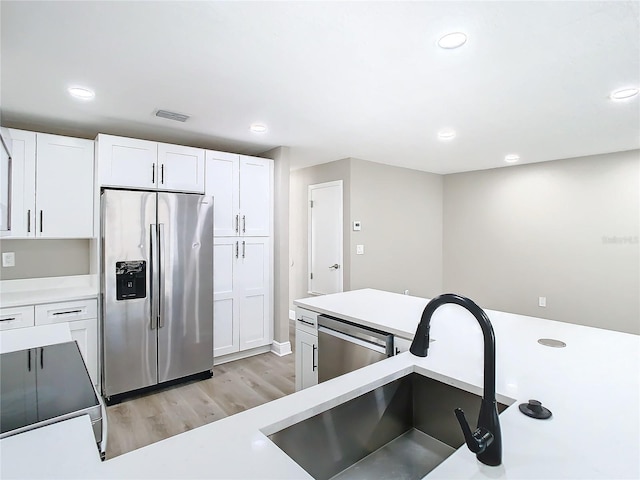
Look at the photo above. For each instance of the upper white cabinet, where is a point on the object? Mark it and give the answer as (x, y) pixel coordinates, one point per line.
(52, 186)
(243, 194)
(133, 163)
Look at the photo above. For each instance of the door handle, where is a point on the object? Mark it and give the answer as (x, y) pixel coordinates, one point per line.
(335, 266)
(161, 263)
(154, 269)
(313, 359)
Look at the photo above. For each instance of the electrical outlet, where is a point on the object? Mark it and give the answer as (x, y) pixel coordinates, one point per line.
(292, 314)
(9, 259)
(542, 301)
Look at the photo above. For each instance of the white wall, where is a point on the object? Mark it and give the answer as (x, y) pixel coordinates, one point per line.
(566, 230)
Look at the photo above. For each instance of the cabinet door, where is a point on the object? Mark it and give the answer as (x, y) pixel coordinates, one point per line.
(306, 360)
(64, 187)
(85, 332)
(256, 179)
(226, 336)
(181, 168)
(22, 202)
(255, 292)
(127, 162)
(222, 182)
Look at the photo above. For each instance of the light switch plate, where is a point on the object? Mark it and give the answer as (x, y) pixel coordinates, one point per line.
(9, 259)
(359, 249)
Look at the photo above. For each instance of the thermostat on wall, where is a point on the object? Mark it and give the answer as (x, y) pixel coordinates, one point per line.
(357, 226)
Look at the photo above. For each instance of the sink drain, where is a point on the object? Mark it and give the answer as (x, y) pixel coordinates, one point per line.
(550, 342)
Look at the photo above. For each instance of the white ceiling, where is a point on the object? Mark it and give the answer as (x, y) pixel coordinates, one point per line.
(332, 79)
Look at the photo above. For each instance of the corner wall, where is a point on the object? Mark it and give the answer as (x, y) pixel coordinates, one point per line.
(566, 230)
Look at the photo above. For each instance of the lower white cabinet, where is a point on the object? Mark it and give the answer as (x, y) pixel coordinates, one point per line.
(306, 359)
(82, 317)
(306, 348)
(16, 317)
(242, 311)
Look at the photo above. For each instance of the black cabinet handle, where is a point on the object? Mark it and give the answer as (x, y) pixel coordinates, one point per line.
(153, 173)
(307, 323)
(41, 221)
(29, 359)
(8, 319)
(68, 312)
(313, 358)
(41, 358)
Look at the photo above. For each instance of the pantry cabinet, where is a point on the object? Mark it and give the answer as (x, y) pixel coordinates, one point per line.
(142, 164)
(52, 186)
(242, 188)
(243, 294)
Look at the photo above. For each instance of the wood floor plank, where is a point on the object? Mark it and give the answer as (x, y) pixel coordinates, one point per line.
(235, 387)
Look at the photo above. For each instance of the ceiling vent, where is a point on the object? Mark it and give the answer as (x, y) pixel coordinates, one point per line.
(178, 117)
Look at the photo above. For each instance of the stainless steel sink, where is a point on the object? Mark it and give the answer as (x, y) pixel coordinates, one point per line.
(401, 430)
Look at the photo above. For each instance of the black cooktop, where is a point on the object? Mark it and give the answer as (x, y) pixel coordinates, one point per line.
(42, 385)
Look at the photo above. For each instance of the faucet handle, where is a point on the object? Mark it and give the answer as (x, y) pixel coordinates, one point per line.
(476, 441)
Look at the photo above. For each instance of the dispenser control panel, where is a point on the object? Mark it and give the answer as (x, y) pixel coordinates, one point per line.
(131, 280)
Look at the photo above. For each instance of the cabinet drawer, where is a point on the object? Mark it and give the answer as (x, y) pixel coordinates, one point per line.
(307, 321)
(16, 317)
(66, 311)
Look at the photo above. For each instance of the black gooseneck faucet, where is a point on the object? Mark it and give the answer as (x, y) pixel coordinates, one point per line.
(486, 441)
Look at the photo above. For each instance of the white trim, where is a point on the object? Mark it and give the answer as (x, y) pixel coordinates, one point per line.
(240, 355)
(281, 349)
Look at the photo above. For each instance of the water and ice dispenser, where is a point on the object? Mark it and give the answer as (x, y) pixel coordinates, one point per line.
(131, 280)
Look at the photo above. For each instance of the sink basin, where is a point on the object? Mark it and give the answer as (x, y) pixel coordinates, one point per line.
(401, 430)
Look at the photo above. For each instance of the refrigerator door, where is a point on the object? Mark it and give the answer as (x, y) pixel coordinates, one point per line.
(185, 247)
(128, 326)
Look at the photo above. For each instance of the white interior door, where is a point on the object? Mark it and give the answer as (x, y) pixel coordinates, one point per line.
(325, 238)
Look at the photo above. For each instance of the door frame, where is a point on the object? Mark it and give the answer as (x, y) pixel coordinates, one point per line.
(310, 188)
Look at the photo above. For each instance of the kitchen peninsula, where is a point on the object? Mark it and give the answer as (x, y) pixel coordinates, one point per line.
(592, 387)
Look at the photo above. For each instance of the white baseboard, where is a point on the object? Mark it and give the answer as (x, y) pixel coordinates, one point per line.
(240, 355)
(281, 349)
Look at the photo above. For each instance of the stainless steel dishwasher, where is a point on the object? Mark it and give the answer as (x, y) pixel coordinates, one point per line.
(344, 346)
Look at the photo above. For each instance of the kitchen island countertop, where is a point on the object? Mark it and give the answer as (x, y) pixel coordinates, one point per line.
(592, 386)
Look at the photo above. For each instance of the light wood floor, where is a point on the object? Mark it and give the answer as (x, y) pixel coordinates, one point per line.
(234, 387)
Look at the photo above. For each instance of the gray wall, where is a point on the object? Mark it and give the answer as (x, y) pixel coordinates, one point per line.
(298, 237)
(46, 258)
(566, 230)
(401, 214)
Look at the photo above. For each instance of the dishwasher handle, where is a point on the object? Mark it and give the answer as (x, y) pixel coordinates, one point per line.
(377, 347)
(360, 332)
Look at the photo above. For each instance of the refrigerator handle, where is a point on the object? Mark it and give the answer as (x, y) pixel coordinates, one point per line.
(154, 268)
(161, 262)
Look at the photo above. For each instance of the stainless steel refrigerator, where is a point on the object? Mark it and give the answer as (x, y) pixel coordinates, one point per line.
(157, 288)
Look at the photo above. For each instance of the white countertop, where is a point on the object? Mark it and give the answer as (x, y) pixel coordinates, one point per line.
(36, 291)
(592, 386)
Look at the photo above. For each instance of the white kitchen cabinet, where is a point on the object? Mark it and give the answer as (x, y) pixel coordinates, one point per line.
(306, 361)
(16, 317)
(242, 294)
(242, 187)
(181, 168)
(64, 187)
(82, 317)
(52, 186)
(133, 163)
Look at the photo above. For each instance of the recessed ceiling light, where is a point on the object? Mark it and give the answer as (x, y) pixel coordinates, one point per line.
(258, 128)
(624, 93)
(81, 92)
(511, 158)
(452, 40)
(446, 134)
